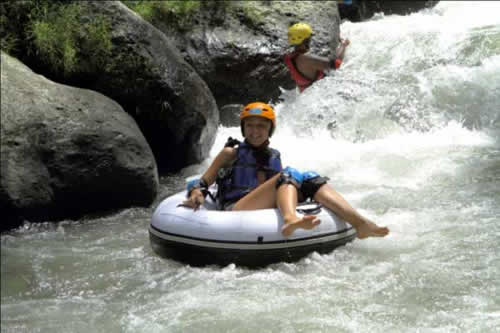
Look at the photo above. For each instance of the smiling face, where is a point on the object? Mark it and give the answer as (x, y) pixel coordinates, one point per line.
(256, 130)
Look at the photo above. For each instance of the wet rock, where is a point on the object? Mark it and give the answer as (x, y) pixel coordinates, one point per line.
(361, 10)
(230, 115)
(67, 151)
(172, 104)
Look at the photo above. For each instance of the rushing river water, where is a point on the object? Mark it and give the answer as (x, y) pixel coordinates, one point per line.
(408, 131)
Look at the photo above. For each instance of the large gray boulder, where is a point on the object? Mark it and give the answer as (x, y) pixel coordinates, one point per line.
(67, 151)
(150, 79)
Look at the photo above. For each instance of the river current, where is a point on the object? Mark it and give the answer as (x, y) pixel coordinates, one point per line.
(408, 130)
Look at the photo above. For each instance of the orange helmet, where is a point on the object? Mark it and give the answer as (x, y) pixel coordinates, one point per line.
(258, 109)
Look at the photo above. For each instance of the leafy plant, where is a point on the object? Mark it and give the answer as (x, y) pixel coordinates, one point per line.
(63, 42)
(9, 40)
(180, 13)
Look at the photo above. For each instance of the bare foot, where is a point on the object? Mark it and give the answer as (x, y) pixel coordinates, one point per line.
(370, 229)
(306, 222)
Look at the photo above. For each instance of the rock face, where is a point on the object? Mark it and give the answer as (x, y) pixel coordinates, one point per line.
(238, 48)
(230, 115)
(67, 151)
(150, 79)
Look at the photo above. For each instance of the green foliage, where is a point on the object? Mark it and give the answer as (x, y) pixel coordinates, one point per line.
(180, 13)
(63, 42)
(181, 7)
(147, 9)
(9, 40)
(255, 11)
(12, 15)
(144, 8)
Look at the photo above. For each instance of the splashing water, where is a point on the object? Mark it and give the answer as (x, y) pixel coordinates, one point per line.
(407, 130)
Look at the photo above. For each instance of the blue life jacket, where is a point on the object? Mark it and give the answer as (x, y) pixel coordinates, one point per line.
(241, 178)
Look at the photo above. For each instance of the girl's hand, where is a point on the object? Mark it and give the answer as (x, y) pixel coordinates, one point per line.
(194, 201)
(345, 42)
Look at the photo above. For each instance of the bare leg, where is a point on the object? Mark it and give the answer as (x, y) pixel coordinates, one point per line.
(266, 196)
(287, 203)
(329, 198)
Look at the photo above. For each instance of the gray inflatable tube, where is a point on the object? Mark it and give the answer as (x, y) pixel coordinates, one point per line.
(246, 238)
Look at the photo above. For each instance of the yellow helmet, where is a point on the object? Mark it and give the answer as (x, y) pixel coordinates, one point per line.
(298, 32)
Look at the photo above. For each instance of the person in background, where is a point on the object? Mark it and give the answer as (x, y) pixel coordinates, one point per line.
(306, 68)
(250, 176)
